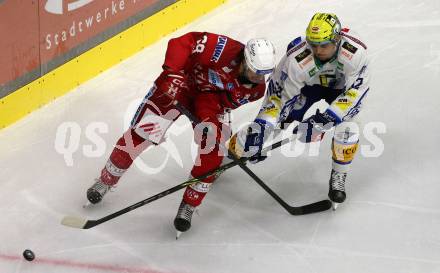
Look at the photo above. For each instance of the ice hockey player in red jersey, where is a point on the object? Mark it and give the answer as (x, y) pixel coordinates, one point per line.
(331, 64)
(206, 73)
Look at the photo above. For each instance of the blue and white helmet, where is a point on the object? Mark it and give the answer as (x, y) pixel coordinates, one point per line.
(259, 54)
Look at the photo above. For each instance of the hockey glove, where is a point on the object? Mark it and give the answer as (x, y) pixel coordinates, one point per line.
(238, 95)
(314, 128)
(170, 85)
(255, 140)
(249, 142)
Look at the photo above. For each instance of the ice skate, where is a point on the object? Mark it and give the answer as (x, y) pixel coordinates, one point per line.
(96, 192)
(182, 222)
(336, 191)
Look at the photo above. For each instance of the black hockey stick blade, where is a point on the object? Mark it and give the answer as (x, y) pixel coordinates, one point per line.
(311, 208)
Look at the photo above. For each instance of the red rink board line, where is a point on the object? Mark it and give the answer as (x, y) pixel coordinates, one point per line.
(73, 264)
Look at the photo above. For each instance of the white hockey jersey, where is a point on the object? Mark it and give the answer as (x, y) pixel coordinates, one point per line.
(347, 72)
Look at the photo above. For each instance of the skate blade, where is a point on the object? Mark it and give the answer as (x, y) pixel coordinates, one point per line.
(178, 233)
(335, 206)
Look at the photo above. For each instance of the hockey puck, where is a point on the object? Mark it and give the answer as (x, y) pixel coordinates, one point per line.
(28, 255)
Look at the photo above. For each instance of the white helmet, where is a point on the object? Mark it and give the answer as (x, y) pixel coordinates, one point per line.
(259, 54)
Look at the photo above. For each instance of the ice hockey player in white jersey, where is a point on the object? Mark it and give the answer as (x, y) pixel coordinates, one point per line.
(331, 64)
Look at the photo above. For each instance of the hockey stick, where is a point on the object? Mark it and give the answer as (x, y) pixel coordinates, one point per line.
(82, 223)
(301, 210)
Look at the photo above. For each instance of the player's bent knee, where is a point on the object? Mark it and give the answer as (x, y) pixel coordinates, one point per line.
(345, 142)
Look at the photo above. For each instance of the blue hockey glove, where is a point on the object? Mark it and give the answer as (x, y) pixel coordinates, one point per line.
(255, 140)
(314, 128)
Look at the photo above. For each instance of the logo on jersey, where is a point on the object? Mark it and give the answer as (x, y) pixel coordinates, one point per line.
(305, 62)
(313, 71)
(274, 88)
(295, 48)
(270, 109)
(56, 6)
(327, 80)
(301, 56)
(347, 55)
(295, 45)
(214, 79)
(340, 66)
(359, 42)
(343, 104)
(351, 48)
(244, 100)
(221, 43)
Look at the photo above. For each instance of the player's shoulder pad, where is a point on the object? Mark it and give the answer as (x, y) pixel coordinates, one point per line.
(295, 45)
(353, 37)
(298, 51)
(352, 51)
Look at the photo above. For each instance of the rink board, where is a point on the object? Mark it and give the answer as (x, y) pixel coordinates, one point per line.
(86, 66)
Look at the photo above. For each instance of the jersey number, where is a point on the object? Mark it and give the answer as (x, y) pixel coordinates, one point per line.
(200, 45)
(357, 83)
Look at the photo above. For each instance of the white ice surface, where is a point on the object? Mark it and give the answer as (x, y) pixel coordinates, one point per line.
(390, 222)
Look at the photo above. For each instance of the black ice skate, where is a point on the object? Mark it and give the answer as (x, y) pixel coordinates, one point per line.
(97, 191)
(336, 191)
(182, 222)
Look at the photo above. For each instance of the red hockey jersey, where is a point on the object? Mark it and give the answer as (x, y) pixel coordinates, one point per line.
(212, 63)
